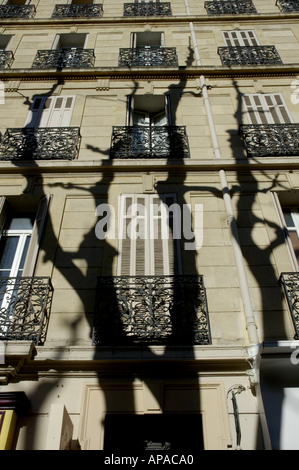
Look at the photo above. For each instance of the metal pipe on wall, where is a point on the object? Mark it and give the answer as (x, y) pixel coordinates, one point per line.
(244, 287)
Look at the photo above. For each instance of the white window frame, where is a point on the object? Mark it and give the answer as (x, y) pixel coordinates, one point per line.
(131, 110)
(56, 43)
(262, 111)
(22, 235)
(34, 245)
(146, 226)
(6, 48)
(134, 40)
(146, 1)
(249, 40)
(285, 229)
(70, 2)
(47, 114)
(6, 2)
(36, 233)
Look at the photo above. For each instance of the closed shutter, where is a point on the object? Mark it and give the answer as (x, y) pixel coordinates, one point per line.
(36, 238)
(240, 38)
(149, 235)
(53, 111)
(266, 109)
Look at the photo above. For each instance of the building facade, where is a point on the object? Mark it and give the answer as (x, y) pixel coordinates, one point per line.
(149, 186)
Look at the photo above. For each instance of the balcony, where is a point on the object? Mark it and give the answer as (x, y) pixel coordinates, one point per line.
(147, 9)
(145, 56)
(230, 7)
(270, 140)
(149, 142)
(288, 6)
(290, 283)
(17, 11)
(25, 307)
(151, 309)
(6, 59)
(69, 57)
(249, 55)
(44, 143)
(89, 10)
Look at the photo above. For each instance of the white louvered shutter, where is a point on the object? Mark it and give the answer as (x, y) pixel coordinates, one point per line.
(36, 237)
(266, 109)
(147, 244)
(240, 38)
(53, 111)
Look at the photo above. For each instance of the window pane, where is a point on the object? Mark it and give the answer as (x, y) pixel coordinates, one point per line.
(21, 222)
(295, 242)
(288, 218)
(24, 254)
(8, 246)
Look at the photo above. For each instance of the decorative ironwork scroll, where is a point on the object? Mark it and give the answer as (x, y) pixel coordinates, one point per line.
(6, 59)
(148, 56)
(288, 6)
(151, 309)
(149, 142)
(290, 282)
(40, 143)
(249, 55)
(228, 7)
(61, 58)
(264, 140)
(17, 11)
(73, 10)
(24, 308)
(148, 9)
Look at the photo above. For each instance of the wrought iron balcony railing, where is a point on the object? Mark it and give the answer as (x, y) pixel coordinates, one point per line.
(24, 308)
(148, 56)
(229, 7)
(290, 283)
(73, 10)
(288, 6)
(151, 309)
(40, 143)
(17, 11)
(70, 57)
(249, 55)
(148, 9)
(265, 140)
(149, 142)
(6, 59)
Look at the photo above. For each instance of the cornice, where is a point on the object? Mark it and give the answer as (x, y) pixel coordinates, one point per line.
(150, 73)
(90, 168)
(268, 17)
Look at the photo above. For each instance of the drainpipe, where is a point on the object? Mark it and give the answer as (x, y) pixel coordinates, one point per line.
(244, 288)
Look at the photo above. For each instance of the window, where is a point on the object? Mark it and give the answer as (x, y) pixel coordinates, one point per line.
(266, 109)
(53, 111)
(16, 2)
(240, 38)
(291, 217)
(20, 242)
(80, 2)
(14, 244)
(149, 115)
(147, 39)
(70, 41)
(149, 232)
(5, 41)
(21, 234)
(148, 110)
(148, 45)
(146, 1)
